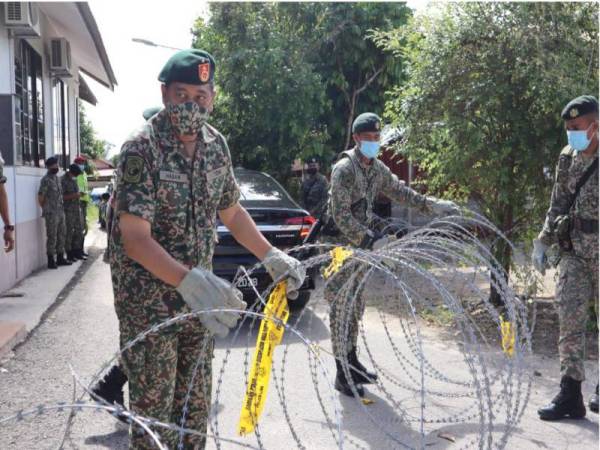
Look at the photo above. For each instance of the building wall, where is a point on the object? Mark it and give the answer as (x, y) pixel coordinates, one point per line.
(23, 181)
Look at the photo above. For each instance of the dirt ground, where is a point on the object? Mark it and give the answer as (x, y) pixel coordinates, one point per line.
(472, 290)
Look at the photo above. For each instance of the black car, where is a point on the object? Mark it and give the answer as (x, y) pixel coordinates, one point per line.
(280, 219)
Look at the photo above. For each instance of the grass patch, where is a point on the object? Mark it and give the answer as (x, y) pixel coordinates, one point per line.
(439, 315)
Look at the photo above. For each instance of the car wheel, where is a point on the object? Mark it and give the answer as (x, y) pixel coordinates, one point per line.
(300, 302)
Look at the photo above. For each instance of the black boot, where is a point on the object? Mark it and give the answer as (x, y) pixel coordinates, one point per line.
(110, 388)
(342, 385)
(79, 254)
(51, 262)
(568, 402)
(594, 401)
(61, 261)
(70, 256)
(360, 374)
(83, 253)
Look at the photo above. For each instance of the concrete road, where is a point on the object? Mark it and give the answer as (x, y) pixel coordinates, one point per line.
(301, 409)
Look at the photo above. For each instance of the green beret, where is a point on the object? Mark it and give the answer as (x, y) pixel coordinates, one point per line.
(366, 122)
(189, 66)
(149, 112)
(580, 106)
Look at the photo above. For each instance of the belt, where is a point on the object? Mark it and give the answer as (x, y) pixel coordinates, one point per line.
(585, 225)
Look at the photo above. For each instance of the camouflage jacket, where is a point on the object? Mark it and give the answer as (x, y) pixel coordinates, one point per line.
(353, 190)
(570, 168)
(314, 194)
(2, 177)
(179, 197)
(51, 190)
(69, 186)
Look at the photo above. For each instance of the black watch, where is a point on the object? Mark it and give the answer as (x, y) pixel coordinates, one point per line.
(9, 227)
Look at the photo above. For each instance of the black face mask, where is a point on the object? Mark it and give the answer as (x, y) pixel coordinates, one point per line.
(312, 171)
(53, 171)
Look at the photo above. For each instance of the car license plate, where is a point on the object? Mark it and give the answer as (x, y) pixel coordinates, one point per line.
(246, 282)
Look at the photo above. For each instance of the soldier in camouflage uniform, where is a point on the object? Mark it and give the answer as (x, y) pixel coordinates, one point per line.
(73, 211)
(51, 200)
(9, 229)
(314, 190)
(174, 176)
(356, 180)
(572, 222)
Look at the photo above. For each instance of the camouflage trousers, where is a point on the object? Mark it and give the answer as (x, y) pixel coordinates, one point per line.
(74, 234)
(577, 288)
(55, 233)
(84, 225)
(160, 371)
(343, 292)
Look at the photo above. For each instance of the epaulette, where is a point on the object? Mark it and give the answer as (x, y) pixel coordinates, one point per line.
(567, 150)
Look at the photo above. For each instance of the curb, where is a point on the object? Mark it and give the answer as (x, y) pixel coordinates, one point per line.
(15, 333)
(11, 334)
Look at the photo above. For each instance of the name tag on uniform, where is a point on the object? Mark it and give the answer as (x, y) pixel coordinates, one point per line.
(216, 173)
(165, 175)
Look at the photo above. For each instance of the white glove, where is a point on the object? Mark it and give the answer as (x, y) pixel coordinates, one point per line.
(279, 264)
(444, 207)
(203, 291)
(538, 256)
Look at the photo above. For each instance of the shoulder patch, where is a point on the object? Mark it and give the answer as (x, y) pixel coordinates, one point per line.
(134, 166)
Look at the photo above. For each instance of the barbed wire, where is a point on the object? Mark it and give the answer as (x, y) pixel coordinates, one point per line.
(481, 383)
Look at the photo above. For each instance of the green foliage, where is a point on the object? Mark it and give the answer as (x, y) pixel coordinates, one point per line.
(481, 105)
(291, 76)
(89, 143)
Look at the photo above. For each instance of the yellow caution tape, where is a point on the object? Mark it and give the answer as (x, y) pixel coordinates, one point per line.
(508, 337)
(270, 335)
(338, 256)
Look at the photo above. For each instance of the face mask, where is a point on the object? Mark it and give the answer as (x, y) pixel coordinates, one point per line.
(578, 139)
(187, 118)
(311, 171)
(369, 149)
(53, 171)
(82, 168)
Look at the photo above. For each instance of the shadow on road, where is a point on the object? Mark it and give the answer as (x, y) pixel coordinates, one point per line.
(306, 322)
(117, 440)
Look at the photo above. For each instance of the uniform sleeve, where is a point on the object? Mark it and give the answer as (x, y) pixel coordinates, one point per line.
(231, 191)
(342, 182)
(43, 190)
(2, 177)
(397, 191)
(317, 196)
(559, 201)
(135, 192)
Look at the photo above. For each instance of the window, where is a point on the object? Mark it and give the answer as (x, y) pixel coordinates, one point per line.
(29, 106)
(60, 100)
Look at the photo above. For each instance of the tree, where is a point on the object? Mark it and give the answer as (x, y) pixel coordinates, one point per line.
(292, 76)
(89, 144)
(357, 73)
(481, 106)
(269, 97)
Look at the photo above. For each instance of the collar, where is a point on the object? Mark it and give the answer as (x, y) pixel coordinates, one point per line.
(359, 158)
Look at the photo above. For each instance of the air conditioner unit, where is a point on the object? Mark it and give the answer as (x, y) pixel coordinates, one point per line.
(22, 18)
(60, 57)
